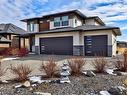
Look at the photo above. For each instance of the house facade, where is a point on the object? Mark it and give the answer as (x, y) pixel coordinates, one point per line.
(71, 33)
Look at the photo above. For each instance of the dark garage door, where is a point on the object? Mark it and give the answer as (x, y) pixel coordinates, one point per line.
(95, 45)
(57, 45)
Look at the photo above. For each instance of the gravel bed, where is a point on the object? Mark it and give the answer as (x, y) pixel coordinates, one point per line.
(81, 85)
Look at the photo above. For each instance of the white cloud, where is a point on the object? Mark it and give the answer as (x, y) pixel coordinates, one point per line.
(13, 12)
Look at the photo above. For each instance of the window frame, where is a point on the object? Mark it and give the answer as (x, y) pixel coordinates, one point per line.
(57, 22)
(65, 20)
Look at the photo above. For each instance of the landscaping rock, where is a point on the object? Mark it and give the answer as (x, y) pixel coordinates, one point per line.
(118, 90)
(26, 84)
(117, 73)
(125, 82)
(41, 93)
(89, 73)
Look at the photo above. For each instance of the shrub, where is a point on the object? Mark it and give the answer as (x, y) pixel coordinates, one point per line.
(100, 64)
(125, 55)
(76, 65)
(23, 52)
(9, 51)
(49, 67)
(21, 72)
(121, 65)
(14, 51)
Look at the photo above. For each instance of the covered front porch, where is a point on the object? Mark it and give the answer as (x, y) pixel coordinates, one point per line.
(27, 41)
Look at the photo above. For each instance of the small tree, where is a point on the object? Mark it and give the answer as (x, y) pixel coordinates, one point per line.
(76, 65)
(100, 64)
(49, 67)
(121, 65)
(21, 72)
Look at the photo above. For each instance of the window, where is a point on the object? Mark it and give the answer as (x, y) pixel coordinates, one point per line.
(57, 22)
(31, 28)
(65, 21)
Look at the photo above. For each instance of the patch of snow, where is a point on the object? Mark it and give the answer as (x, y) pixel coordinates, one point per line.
(104, 93)
(35, 79)
(18, 86)
(4, 81)
(124, 73)
(7, 59)
(121, 88)
(31, 53)
(41, 93)
(33, 85)
(110, 71)
(84, 72)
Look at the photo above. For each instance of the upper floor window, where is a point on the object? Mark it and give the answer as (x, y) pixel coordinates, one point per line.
(57, 22)
(65, 21)
(31, 28)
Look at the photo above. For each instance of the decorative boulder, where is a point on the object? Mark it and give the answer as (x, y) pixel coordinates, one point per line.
(26, 84)
(125, 82)
(117, 73)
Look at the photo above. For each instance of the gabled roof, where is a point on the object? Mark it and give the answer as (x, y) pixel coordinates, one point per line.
(11, 29)
(55, 14)
(97, 19)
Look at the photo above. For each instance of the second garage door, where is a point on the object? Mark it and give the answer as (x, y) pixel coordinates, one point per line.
(95, 45)
(57, 45)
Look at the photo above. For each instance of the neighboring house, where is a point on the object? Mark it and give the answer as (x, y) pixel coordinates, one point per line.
(121, 47)
(71, 33)
(9, 36)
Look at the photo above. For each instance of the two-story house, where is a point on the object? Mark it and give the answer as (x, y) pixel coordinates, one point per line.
(71, 33)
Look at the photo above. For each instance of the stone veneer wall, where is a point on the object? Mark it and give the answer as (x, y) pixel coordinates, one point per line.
(109, 50)
(78, 50)
(37, 49)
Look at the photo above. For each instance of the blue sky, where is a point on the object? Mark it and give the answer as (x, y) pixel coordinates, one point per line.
(112, 12)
